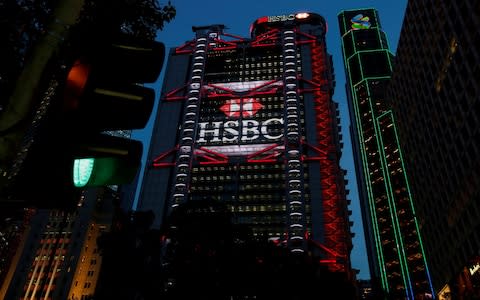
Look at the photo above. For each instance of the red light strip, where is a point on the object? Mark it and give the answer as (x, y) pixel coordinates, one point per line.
(270, 158)
(232, 92)
(239, 38)
(252, 92)
(255, 91)
(323, 153)
(273, 146)
(219, 162)
(156, 162)
(221, 41)
(265, 160)
(213, 152)
(184, 48)
(217, 95)
(311, 38)
(269, 35)
(327, 261)
(263, 45)
(335, 230)
(262, 20)
(325, 248)
(214, 158)
(170, 96)
(223, 48)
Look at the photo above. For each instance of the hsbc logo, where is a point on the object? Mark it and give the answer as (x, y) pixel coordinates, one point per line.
(281, 18)
(233, 108)
(245, 130)
(232, 131)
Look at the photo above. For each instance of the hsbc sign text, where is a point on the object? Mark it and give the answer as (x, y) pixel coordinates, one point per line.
(235, 130)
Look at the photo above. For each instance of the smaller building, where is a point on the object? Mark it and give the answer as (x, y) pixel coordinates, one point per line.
(59, 258)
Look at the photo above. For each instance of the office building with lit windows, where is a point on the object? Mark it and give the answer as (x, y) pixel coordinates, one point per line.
(250, 122)
(397, 259)
(435, 92)
(58, 256)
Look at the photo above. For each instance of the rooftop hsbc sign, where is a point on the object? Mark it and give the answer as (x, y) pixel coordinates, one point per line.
(281, 18)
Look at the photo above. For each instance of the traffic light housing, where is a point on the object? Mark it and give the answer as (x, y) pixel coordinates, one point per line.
(101, 89)
(104, 92)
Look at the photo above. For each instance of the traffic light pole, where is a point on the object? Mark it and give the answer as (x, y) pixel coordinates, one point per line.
(14, 121)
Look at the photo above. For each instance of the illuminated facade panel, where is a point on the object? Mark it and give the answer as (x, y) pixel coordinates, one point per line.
(397, 258)
(250, 122)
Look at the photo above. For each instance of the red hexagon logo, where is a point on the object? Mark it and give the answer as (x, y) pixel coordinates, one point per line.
(247, 107)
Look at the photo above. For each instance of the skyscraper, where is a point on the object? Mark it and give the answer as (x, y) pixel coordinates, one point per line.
(250, 122)
(435, 92)
(397, 259)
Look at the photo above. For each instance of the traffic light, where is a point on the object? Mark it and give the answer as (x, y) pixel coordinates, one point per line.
(101, 89)
(104, 92)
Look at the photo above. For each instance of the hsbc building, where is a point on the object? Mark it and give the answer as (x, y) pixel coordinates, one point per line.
(250, 122)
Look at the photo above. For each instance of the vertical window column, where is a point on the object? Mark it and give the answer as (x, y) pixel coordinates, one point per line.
(187, 134)
(294, 168)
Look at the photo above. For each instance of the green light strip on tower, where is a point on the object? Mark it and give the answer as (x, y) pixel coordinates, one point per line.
(410, 197)
(370, 51)
(368, 186)
(393, 211)
(371, 197)
(382, 156)
(388, 190)
(358, 54)
(371, 201)
(379, 35)
(366, 166)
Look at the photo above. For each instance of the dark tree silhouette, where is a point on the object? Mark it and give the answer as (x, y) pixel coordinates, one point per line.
(23, 23)
(131, 258)
(209, 257)
(138, 18)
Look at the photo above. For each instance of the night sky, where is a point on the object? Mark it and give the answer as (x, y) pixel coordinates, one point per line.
(237, 17)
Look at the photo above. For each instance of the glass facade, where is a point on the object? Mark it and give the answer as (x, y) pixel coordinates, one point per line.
(435, 94)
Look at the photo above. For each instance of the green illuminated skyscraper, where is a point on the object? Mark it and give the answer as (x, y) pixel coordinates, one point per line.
(396, 255)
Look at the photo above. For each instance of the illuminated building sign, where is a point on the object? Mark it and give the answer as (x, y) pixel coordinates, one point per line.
(302, 15)
(235, 125)
(360, 22)
(237, 87)
(230, 131)
(281, 18)
(236, 107)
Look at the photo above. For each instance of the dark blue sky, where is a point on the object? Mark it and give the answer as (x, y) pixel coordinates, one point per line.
(237, 17)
